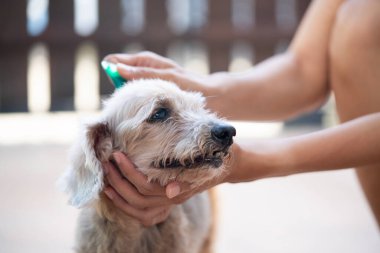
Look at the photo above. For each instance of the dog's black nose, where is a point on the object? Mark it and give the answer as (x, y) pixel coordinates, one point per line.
(223, 133)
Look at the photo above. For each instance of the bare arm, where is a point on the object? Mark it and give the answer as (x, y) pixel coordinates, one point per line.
(354, 143)
(279, 88)
(289, 84)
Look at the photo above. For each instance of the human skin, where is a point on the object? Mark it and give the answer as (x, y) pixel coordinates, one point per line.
(336, 49)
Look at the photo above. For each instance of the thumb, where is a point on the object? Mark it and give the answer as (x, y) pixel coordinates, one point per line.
(173, 189)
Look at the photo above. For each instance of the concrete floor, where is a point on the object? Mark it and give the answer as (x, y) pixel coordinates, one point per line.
(315, 212)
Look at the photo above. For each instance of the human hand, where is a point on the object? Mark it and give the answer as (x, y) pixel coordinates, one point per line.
(151, 65)
(149, 203)
(130, 191)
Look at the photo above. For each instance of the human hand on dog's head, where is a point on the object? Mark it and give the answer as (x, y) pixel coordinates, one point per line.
(146, 64)
(150, 65)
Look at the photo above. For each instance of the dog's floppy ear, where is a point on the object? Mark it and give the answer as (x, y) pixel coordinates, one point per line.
(84, 178)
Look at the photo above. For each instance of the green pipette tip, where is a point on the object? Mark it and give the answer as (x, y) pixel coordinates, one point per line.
(114, 76)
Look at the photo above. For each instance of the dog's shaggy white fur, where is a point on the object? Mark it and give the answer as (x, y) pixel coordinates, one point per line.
(167, 133)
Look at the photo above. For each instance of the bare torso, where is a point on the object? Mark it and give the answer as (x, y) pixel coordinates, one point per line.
(355, 76)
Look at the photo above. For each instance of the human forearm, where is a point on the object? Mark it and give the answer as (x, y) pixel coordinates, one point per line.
(354, 143)
(286, 85)
(351, 144)
(276, 89)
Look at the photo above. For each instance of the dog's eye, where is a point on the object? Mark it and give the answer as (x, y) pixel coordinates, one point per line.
(159, 115)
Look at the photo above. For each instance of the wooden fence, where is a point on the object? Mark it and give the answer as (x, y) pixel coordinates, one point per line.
(218, 33)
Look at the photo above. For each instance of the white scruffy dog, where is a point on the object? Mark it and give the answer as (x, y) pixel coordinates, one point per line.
(167, 133)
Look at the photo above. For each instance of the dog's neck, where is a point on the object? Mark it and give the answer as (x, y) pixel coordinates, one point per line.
(125, 232)
(117, 227)
(108, 211)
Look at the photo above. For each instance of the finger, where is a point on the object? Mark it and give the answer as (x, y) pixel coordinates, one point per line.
(131, 72)
(146, 59)
(161, 215)
(138, 179)
(174, 189)
(187, 190)
(111, 58)
(180, 199)
(147, 217)
(128, 192)
(142, 59)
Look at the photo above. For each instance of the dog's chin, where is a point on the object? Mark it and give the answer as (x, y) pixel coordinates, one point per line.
(195, 171)
(213, 160)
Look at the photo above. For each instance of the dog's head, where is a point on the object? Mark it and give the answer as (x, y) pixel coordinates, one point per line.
(165, 131)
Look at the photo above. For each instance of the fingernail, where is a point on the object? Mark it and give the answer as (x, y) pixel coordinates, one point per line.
(173, 191)
(109, 193)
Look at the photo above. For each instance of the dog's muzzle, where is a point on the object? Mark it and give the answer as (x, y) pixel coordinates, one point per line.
(222, 134)
(222, 138)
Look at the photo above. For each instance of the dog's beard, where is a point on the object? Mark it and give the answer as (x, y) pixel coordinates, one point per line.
(185, 162)
(213, 159)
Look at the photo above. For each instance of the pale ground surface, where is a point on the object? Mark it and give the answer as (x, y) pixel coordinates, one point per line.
(316, 212)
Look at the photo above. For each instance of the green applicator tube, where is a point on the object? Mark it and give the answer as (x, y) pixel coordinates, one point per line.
(114, 76)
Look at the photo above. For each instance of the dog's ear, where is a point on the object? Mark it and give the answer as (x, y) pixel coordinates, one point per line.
(84, 178)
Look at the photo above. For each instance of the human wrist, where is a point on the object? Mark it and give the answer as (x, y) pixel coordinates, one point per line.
(262, 159)
(279, 159)
(246, 164)
(216, 88)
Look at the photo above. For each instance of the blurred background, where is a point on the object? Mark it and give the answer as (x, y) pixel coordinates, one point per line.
(51, 81)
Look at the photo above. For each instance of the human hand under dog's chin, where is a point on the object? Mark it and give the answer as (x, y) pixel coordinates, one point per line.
(148, 202)
(130, 191)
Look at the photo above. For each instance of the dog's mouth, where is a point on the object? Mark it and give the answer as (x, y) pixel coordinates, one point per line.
(213, 160)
